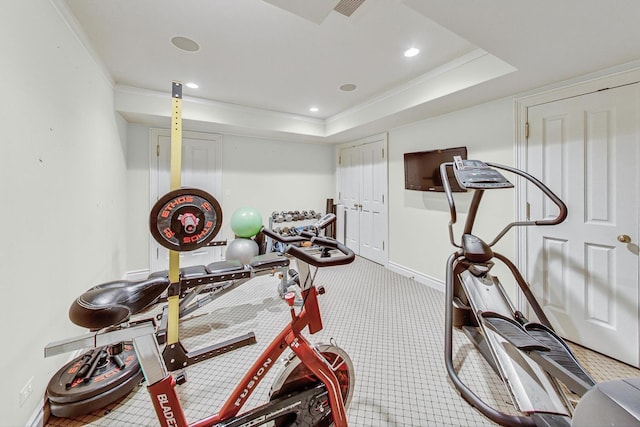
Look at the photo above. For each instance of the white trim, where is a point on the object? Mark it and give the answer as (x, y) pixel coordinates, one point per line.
(69, 18)
(586, 85)
(474, 68)
(153, 160)
(362, 141)
(208, 103)
(412, 85)
(520, 241)
(151, 106)
(136, 275)
(37, 418)
(432, 282)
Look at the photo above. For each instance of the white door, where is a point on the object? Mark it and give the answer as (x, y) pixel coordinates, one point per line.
(201, 168)
(363, 192)
(586, 149)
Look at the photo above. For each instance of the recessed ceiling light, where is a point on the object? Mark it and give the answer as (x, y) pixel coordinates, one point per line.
(348, 87)
(411, 52)
(185, 44)
(192, 85)
(314, 109)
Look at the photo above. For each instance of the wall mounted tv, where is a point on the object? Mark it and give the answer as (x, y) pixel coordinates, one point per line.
(422, 169)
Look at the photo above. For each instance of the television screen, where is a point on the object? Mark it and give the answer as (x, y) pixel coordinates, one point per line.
(422, 169)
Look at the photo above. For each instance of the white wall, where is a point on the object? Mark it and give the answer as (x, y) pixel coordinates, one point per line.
(268, 175)
(138, 197)
(275, 176)
(62, 174)
(418, 233)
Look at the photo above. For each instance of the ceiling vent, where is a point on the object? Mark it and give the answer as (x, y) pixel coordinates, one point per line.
(347, 7)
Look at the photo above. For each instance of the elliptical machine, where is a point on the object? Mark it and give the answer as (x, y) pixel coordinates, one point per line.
(529, 356)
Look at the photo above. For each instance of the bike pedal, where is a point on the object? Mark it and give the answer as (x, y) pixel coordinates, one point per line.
(181, 378)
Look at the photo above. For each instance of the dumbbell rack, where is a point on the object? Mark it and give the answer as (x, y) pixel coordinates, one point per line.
(294, 222)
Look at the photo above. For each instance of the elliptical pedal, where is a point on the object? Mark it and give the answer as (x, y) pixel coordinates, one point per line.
(512, 331)
(564, 364)
(544, 346)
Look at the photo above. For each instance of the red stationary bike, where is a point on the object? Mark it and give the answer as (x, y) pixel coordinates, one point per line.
(314, 388)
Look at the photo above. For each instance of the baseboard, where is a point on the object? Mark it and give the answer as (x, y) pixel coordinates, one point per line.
(136, 275)
(38, 418)
(417, 276)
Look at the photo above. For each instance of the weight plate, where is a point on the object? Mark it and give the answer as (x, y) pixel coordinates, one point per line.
(85, 406)
(64, 387)
(185, 219)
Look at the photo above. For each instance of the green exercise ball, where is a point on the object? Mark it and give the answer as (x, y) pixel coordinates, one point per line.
(246, 222)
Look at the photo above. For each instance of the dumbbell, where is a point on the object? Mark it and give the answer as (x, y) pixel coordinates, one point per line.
(277, 217)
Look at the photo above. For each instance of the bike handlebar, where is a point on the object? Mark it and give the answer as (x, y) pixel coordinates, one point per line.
(304, 256)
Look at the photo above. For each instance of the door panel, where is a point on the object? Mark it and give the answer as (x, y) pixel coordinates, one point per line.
(201, 168)
(586, 149)
(555, 261)
(600, 306)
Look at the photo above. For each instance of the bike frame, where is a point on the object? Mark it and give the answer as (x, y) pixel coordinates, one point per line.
(161, 386)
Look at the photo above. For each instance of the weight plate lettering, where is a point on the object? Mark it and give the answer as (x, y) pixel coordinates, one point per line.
(185, 219)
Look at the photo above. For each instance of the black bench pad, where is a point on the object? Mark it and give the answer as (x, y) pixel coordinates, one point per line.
(268, 261)
(195, 271)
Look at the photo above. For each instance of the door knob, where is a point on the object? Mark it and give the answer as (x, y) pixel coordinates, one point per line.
(623, 238)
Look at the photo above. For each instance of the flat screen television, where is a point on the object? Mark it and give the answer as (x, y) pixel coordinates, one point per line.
(422, 169)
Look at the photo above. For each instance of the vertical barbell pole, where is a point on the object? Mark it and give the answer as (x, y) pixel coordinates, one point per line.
(176, 171)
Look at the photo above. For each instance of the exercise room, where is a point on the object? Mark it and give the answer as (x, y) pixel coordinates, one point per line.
(320, 212)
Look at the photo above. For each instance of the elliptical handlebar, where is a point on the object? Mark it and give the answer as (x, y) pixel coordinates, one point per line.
(452, 203)
(562, 213)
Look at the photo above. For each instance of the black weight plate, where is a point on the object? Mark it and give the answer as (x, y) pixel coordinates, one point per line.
(81, 407)
(185, 219)
(105, 378)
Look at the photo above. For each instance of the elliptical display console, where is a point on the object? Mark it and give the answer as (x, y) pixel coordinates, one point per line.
(474, 174)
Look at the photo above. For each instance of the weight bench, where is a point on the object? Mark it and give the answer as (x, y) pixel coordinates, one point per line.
(198, 285)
